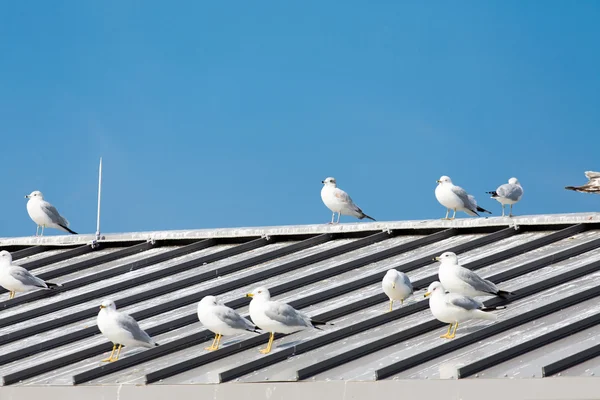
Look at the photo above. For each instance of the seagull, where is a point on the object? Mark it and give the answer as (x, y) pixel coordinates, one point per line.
(17, 279)
(453, 308)
(339, 202)
(456, 198)
(396, 286)
(277, 317)
(121, 329)
(593, 185)
(461, 280)
(509, 193)
(45, 214)
(222, 320)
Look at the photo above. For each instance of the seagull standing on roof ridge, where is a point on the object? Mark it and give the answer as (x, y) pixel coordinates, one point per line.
(396, 285)
(17, 279)
(339, 201)
(592, 186)
(458, 279)
(45, 214)
(277, 317)
(509, 193)
(453, 308)
(456, 198)
(121, 329)
(221, 320)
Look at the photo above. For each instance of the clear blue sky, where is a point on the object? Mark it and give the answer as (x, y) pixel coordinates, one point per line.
(223, 114)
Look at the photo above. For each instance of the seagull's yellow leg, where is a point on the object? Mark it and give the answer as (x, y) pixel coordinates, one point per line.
(43, 226)
(11, 295)
(212, 346)
(109, 359)
(447, 212)
(391, 305)
(454, 214)
(219, 336)
(118, 352)
(268, 349)
(37, 230)
(447, 335)
(510, 214)
(401, 302)
(453, 332)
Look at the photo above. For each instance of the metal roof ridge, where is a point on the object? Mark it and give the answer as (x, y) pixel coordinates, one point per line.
(309, 229)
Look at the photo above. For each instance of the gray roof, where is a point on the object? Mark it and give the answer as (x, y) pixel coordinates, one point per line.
(331, 272)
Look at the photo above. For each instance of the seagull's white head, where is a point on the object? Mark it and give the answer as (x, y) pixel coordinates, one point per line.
(36, 194)
(444, 179)
(108, 304)
(448, 258)
(392, 275)
(208, 301)
(329, 182)
(434, 287)
(5, 257)
(514, 181)
(260, 293)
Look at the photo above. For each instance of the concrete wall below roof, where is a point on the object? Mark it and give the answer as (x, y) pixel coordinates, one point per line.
(468, 389)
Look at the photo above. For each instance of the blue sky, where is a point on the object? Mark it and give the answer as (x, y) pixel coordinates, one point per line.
(223, 114)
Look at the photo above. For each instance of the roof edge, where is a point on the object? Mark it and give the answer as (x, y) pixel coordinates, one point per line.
(314, 229)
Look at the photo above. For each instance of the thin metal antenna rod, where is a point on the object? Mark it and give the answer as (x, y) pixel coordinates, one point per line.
(99, 198)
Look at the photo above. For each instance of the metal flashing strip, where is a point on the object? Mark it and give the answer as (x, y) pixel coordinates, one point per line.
(528, 346)
(62, 256)
(425, 327)
(502, 326)
(28, 252)
(571, 361)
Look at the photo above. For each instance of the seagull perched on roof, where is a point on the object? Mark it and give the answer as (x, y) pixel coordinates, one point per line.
(121, 329)
(509, 193)
(221, 320)
(396, 285)
(456, 198)
(17, 279)
(45, 214)
(461, 280)
(593, 185)
(453, 308)
(339, 202)
(277, 317)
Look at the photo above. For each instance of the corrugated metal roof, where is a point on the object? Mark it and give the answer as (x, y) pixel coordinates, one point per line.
(550, 326)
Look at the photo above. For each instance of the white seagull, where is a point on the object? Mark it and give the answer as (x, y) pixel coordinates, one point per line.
(276, 317)
(453, 308)
(221, 320)
(339, 202)
(45, 214)
(456, 198)
(396, 286)
(121, 329)
(593, 185)
(17, 279)
(509, 193)
(458, 279)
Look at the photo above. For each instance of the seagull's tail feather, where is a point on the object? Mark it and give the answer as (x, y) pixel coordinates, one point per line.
(494, 194)
(68, 230)
(366, 216)
(503, 294)
(254, 331)
(156, 344)
(52, 285)
(316, 322)
(494, 308)
(480, 209)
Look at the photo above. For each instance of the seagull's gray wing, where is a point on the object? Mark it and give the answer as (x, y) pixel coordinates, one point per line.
(233, 319)
(593, 185)
(464, 302)
(26, 277)
(509, 191)
(53, 214)
(130, 325)
(468, 200)
(286, 315)
(405, 280)
(593, 176)
(475, 281)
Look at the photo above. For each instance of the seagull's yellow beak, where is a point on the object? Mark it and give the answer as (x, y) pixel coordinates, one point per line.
(436, 259)
(249, 295)
(101, 306)
(427, 294)
(438, 181)
(394, 285)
